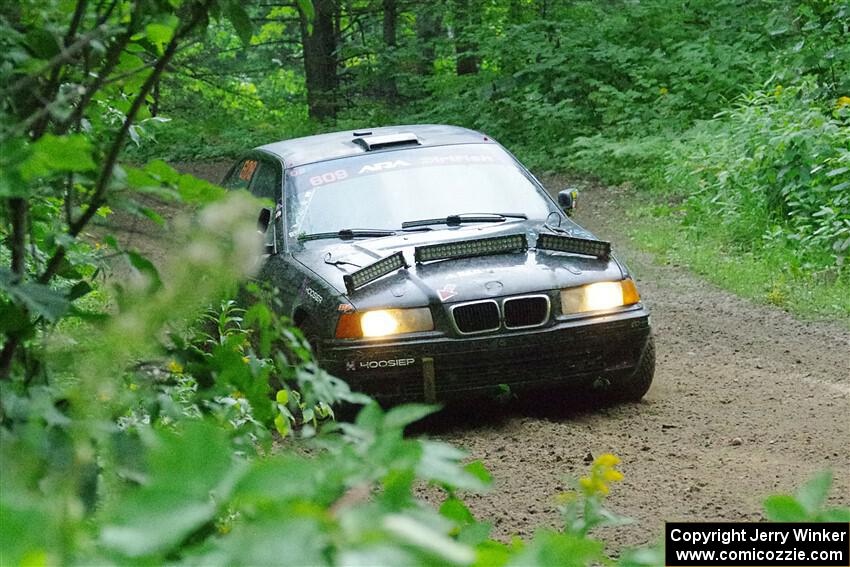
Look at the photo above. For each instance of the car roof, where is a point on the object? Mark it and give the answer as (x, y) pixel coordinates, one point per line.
(310, 149)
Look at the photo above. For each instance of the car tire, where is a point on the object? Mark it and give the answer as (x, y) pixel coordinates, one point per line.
(633, 388)
(312, 336)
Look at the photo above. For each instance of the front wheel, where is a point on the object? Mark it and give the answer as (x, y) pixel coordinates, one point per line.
(634, 387)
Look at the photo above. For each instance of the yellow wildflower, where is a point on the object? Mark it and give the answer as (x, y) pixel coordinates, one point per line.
(607, 460)
(175, 367)
(236, 394)
(601, 473)
(778, 90)
(842, 102)
(663, 91)
(246, 360)
(133, 387)
(612, 475)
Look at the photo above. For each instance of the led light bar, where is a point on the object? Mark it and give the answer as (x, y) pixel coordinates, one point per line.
(558, 243)
(469, 248)
(356, 280)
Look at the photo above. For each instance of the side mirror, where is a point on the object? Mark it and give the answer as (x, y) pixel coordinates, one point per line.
(264, 220)
(568, 199)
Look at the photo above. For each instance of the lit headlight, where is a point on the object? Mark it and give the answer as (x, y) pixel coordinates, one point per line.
(599, 296)
(383, 322)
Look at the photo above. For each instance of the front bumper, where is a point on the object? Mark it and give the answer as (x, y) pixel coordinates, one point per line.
(569, 352)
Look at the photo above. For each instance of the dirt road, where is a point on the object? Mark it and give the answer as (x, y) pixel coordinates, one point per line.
(747, 402)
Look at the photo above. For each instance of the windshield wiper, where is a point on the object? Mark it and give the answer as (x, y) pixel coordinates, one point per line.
(454, 220)
(349, 233)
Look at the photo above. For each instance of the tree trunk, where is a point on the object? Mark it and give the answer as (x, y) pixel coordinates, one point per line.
(389, 86)
(465, 16)
(320, 60)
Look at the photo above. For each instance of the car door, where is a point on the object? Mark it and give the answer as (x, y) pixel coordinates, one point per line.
(278, 270)
(265, 184)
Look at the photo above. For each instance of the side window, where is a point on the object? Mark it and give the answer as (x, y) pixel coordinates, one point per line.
(266, 182)
(240, 176)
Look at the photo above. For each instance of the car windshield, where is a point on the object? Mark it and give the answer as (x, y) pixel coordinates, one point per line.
(383, 190)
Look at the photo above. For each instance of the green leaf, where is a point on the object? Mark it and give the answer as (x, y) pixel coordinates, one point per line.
(552, 548)
(152, 215)
(306, 7)
(440, 462)
(491, 553)
(189, 475)
(784, 508)
(146, 267)
(281, 478)
(420, 535)
(402, 416)
(14, 319)
(398, 484)
(160, 521)
(53, 154)
(376, 554)
(13, 153)
(370, 417)
(161, 171)
(37, 298)
(194, 190)
(80, 289)
(455, 510)
(812, 495)
(241, 21)
(282, 397)
(42, 43)
(835, 515)
(479, 471)
(160, 33)
(281, 540)
(26, 530)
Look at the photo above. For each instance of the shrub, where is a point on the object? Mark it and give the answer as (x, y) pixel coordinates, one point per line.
(775, 170)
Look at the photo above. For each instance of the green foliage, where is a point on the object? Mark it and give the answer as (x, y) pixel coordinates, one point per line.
(774, 170)
(771, 274)
(769, 174)
(77, 80)
(808, 505)
(135, 431)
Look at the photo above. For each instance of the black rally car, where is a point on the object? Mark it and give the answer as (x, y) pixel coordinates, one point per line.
(425, 262)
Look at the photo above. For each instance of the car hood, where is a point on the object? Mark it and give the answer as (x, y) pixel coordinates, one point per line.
(453, 280)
